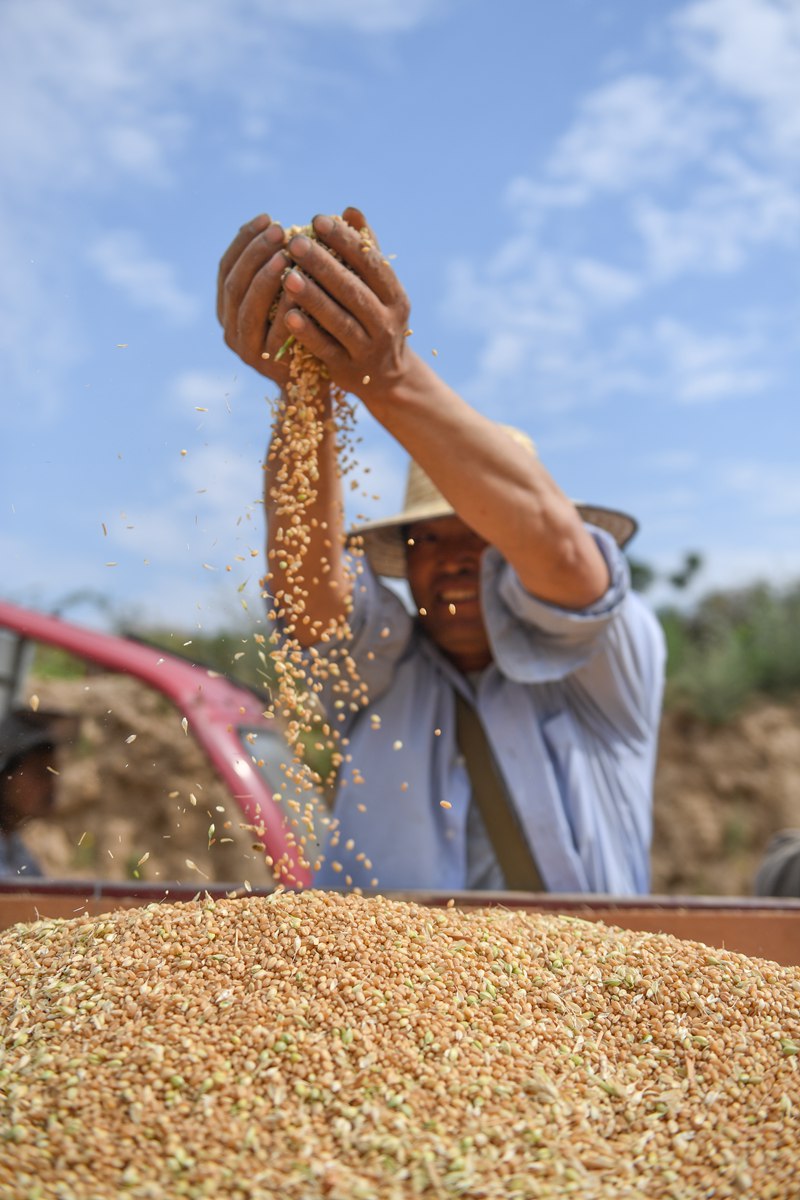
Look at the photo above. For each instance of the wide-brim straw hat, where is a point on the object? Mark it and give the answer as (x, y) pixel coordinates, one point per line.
(383, 543)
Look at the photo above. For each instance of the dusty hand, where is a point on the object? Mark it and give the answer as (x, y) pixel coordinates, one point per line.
(354, 320)
(248, 284)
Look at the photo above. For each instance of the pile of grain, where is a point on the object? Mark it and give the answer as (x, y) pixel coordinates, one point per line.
(311, 1045)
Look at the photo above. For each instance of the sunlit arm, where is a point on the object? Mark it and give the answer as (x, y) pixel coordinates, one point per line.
(496, 486)
(352, 314)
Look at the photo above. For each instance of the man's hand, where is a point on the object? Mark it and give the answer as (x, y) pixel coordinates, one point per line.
(248, 285)
(354, 320)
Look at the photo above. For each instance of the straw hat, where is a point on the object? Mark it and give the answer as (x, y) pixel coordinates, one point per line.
(383, 539)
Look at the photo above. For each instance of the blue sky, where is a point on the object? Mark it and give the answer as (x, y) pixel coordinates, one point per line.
(594, 206)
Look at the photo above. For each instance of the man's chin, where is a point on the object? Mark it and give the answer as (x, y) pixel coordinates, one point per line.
(458, 640)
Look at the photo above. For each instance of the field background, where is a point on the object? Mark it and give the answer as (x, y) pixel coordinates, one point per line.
(727, 775)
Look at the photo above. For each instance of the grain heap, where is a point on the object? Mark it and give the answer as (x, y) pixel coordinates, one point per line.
(312, 405)
(312, 1044)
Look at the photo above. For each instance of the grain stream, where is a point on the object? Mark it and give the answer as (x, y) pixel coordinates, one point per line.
(311, 404)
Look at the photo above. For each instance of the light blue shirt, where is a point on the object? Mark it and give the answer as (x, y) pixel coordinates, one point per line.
(571, 706)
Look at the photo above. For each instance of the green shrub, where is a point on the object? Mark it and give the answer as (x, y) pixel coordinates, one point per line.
(234, 654)
(732, 646)
(51, 662)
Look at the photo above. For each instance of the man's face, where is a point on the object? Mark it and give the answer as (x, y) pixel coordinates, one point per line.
(28, 788)
(443, 561)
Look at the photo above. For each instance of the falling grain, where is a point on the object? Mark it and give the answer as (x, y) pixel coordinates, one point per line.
(300, 423)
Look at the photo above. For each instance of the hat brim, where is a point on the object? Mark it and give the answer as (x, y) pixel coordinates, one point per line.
(382, 540)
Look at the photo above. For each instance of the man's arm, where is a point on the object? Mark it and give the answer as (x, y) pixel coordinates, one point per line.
(355, 321)
(312, 590)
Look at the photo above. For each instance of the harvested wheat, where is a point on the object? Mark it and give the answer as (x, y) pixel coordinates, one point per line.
(311, 1044)
(311, 407)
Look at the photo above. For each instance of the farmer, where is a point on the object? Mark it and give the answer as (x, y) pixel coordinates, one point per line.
(510, 736)
(27, 786)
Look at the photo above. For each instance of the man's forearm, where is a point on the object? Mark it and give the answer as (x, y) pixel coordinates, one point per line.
(495, 485)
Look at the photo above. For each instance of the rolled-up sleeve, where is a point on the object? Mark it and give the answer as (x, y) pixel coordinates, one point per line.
(610, 656)
(536, 642)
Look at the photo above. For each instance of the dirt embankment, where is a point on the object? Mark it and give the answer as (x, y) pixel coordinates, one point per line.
(136, 785)
(720, 793)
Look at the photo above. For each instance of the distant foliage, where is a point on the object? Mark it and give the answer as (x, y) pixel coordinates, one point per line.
(732, 646)
(238, 654)
(51, 662)
(643, 576)
(728, 648)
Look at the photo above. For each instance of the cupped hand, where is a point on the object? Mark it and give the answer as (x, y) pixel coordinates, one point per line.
(352, 314)
(248, 286)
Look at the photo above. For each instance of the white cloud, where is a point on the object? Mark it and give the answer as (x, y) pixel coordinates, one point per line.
(102, 96)
(739, 210)
(376, 16)
(92, 87)
(769, 490)
(553, 331)
(530, 199)
(603, 284)
(528, 298)
(703, 367)
(99, 86)
(216, 397)
(538, 332)
(150, 534)
(504, 355)
(685, 172)
(170, 553)
(529, 292)
(201, 601)
(751, 49)
(138, 153)
(146, 281)
(180, 592)
(215, 509)
(638, 129)
(35, 352)
(228, 479)
(567, 437)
